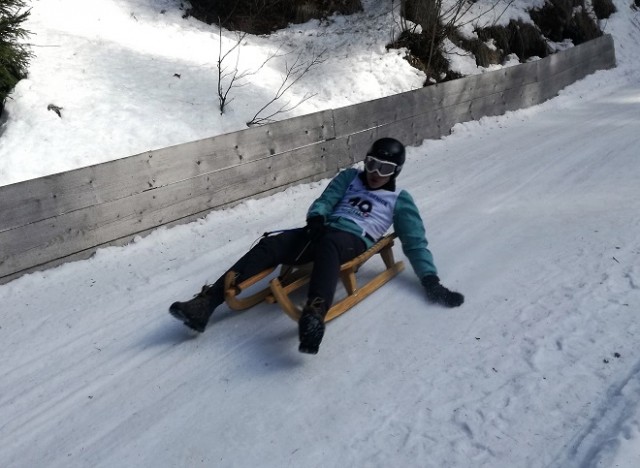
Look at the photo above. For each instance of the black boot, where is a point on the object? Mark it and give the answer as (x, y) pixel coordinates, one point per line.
(311, 325)
(196, 312)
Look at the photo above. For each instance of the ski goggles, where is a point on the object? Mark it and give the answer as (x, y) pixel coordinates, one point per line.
(383, 168)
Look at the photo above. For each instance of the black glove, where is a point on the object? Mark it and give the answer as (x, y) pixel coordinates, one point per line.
(439, 294)
(315, 227)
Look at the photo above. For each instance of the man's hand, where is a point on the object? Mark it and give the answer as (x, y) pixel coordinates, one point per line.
(315, 227)
(439, 294)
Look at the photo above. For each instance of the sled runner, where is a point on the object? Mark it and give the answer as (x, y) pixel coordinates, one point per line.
(292, 278)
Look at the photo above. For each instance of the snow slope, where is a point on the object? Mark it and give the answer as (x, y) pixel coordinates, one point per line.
(533, 216)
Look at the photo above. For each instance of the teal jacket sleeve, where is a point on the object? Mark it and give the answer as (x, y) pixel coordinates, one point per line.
(409, 227)
(332, 195)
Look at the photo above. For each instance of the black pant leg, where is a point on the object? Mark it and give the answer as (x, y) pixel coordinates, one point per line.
(331, 251)
(283, 248)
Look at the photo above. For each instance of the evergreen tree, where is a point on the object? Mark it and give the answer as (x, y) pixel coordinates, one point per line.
(14, 55)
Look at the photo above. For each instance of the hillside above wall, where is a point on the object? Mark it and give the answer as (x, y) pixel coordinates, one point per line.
(445, 40)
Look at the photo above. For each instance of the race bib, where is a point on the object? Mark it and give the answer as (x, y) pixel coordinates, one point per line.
(371, 210)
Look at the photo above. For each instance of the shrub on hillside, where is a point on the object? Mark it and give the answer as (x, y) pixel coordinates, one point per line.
(265, 16)
(522, 39)
(555, 21)
(604, 8)
(14, 56)
(566, 19)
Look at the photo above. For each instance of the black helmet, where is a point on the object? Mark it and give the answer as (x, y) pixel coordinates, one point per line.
(388, 149)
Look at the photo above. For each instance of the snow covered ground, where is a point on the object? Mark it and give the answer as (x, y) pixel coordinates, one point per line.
(533, 216)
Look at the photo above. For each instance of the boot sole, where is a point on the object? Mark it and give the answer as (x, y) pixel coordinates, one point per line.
(177, 313)
(311, 331)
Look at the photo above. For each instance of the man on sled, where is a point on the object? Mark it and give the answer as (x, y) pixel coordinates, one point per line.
(352, 214)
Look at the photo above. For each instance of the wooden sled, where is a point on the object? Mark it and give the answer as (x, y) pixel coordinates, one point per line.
(293, 277)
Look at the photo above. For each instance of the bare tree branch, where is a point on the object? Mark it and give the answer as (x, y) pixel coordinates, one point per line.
(231, 77)
(293, 74)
